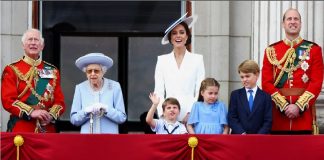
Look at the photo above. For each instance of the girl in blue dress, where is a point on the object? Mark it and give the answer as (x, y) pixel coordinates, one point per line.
(208, 115)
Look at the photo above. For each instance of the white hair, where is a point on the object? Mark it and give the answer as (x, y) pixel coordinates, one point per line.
(103, 68)
(23, 38)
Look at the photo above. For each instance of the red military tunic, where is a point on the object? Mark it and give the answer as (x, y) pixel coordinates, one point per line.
(299, 67)
(20, 96)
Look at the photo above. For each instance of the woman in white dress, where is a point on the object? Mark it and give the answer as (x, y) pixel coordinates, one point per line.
(179, 73)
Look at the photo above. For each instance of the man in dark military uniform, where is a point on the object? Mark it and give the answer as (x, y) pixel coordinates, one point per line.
(292, 74)
(31, 90)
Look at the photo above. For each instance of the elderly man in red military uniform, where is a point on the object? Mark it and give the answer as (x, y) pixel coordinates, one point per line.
(292, 74)
(31, 90)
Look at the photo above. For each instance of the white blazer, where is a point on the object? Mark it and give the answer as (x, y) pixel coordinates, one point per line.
(181, 83)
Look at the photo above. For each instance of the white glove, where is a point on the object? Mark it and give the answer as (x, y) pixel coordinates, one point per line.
(101, 107)
(88, 109)
(96, 109)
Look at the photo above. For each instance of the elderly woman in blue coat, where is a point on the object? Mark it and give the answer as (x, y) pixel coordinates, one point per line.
(98, 105)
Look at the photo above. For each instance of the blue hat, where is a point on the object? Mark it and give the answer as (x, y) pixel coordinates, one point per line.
(94, 58)
(189, 20)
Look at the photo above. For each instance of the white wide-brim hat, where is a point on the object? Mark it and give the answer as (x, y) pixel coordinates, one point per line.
(94, 58)
(189, 20)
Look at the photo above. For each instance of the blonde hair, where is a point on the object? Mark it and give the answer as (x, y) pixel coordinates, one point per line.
(249, 66)
(206, 83)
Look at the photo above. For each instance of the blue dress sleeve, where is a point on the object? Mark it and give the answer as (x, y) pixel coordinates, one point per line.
(77, 115)
(117, 113)
(223, 114)
(194, 114)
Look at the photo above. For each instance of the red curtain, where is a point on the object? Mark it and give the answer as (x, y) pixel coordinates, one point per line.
(53, 146)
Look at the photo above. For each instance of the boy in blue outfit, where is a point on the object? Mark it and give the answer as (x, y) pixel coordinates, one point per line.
(167, 124)
(250, 107)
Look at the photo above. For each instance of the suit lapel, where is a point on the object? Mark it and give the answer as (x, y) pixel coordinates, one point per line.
(244, 101)
(257, 100)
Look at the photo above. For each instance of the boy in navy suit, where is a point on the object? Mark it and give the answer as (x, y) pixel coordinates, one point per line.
(250, 107)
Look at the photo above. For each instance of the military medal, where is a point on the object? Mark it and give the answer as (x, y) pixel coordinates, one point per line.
(300, 54)
(305, 78)
(50, 90)
(304, 66)
(46, 73)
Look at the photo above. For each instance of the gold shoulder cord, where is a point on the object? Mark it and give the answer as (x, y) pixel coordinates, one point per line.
(290, 56)
(28, 79)
(272, 57)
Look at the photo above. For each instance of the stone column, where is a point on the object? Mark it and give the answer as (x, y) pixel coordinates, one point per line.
(14, 22)
(211, 39)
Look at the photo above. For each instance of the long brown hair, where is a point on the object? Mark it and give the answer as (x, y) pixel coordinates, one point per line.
(188, 32)
(204, 84)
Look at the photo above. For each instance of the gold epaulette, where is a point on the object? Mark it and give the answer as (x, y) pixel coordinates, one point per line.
(52, 65)
(275, 43)
(13, 63)
(280, 101)
(313, 43)
(55, 110)
(303, 100)
(24, 108)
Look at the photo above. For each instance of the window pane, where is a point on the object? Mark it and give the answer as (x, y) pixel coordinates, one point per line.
(110, 16)
(73, 47)
(143, 52)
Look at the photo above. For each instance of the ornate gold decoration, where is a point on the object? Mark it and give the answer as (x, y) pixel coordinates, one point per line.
(272, 56)
(192, 142)
(289, 58)
(18, 141)
(315, 125)
(293, 42)
(303, 100)
(31, 61)
(23, 107)
(280, 101)
(28, 77)
(55, 110)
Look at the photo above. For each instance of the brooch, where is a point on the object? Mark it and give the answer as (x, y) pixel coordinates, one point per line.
(304, 66)
(305, 78)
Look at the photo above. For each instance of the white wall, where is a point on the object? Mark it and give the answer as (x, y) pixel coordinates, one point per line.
(13, 24)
